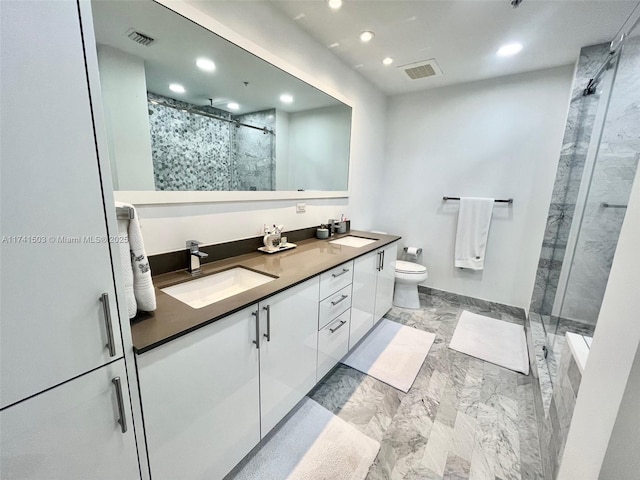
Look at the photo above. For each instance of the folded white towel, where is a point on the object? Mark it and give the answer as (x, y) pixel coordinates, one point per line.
(136, 267)
(125, 261)
(474, 219)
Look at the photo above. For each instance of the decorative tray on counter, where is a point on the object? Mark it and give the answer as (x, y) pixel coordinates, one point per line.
(281, 248)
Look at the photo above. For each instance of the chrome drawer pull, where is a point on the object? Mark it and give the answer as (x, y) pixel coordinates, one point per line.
(342, 323)
(341, 299)
(123, 419)
(257, 340)
(111, 345)
(268, 334)
(336, 275)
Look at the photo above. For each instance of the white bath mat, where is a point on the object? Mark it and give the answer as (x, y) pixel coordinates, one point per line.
(392, 353)
(313, 444)
(495, 341)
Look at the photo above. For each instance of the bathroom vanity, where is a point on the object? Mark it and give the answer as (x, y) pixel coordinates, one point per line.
(216, 380)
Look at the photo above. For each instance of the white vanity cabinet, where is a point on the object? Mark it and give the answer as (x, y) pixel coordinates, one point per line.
(373, 283)
(386, 280)
(288, 350)
(73, 431)
(200, 396)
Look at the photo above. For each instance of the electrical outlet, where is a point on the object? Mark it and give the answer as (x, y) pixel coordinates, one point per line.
(301, 207)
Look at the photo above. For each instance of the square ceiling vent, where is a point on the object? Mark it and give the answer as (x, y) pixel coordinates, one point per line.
(424, 69)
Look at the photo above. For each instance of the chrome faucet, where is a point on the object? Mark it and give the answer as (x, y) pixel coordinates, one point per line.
(333, 227)
(195, 255)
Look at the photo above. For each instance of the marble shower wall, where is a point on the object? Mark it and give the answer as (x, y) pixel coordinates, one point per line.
(255, 151)
(575, 144)
(193, 152)
(615, 169)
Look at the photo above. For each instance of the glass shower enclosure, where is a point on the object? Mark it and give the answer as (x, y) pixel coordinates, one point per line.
(597, 167)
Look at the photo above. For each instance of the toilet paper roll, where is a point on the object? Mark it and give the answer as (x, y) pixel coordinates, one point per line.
(412, 251)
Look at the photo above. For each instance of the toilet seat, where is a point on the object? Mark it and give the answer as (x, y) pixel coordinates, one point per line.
(410, 267)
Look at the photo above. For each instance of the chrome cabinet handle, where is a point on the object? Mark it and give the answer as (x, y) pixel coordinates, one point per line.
(342, 298)
(342, 323)
(268, 334)
(123, 419)
(379, 267)
(104, 298)
(257, 340)
(382, 266)
(336, 275)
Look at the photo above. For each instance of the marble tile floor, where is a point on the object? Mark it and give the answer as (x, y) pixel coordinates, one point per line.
(464, 418)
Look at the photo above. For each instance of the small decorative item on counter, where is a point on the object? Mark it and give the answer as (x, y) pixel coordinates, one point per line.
(272, 237)
(322, 232)
(274, 241)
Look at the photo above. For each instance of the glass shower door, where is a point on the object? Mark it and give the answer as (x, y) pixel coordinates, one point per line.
(609, 171)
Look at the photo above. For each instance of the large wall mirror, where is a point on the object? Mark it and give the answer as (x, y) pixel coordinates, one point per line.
(188, 111)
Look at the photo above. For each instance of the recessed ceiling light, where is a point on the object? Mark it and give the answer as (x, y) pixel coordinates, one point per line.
(387, 61)
(176, 87)
(366, 36)
(509, 49)
(334, 45)
(334, 4)
(205, 64)
(359, 65)
(233, 106)
(286, 98)
(300, 16)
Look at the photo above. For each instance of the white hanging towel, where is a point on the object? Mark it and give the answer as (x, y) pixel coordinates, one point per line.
(139, 290)
(474, 219)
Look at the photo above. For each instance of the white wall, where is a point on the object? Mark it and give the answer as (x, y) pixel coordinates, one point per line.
(282, 150)
(496, 138)
(316, 163)
(167, 227)
(622, 459)
(124, 90)
(602, 396)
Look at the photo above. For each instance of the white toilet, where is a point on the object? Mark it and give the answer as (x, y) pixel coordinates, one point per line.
(408, 276)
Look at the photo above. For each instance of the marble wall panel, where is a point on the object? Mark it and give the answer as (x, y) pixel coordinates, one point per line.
(193, 152)
(254, 152)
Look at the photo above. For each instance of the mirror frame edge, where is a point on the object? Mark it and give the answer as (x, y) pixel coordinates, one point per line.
(176, 197)
(150, 197)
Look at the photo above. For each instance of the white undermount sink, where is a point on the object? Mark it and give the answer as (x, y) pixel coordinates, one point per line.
(204, 291)
(352, 241)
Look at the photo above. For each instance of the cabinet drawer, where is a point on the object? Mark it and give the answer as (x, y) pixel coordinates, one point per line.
(334, 305)
(336, 279)
(333, 343)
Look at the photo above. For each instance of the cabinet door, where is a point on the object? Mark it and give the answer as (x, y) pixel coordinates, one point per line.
(288, 355)
(53, 268)
(365, 275)
(386, 281)
(200, 399)
(333, 343)
(71, 432)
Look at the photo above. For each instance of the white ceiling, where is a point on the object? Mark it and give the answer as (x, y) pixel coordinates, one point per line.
(463, 36)
(179, 42)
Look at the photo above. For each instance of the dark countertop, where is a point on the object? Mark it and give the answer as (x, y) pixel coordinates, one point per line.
(173, 318)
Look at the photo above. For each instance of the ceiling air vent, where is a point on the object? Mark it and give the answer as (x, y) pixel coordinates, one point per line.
(425, 69)
(140, 38)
